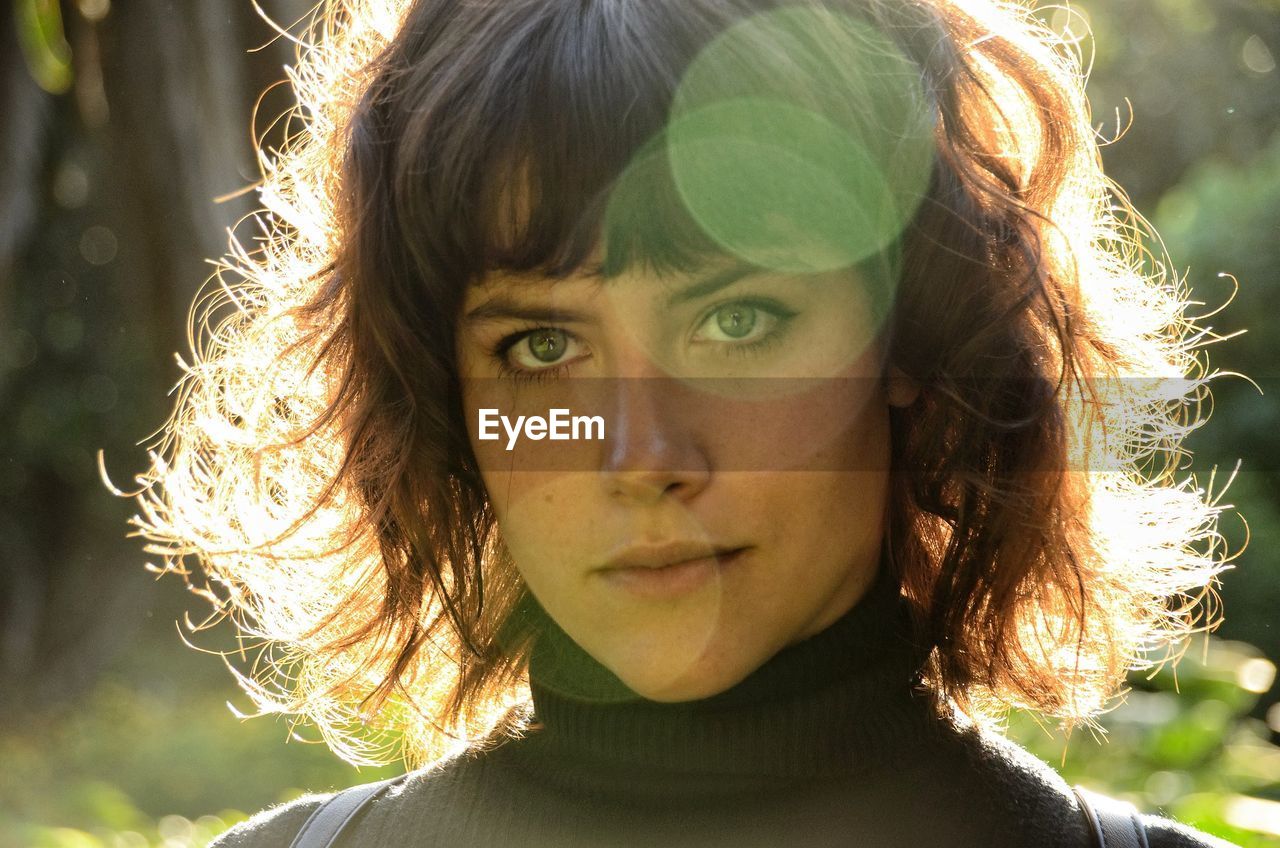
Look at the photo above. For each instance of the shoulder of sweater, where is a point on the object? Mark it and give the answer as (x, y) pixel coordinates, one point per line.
(1007, 768)
(1167, 833)
(1018, 771)
(276, 826)
(273, 827)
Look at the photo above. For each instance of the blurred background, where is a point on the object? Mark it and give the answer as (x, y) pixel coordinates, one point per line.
(126, 149)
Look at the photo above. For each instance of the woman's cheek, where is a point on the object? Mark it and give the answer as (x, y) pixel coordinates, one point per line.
(542, 517)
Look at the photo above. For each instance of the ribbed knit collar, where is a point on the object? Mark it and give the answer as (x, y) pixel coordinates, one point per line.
(834, 704)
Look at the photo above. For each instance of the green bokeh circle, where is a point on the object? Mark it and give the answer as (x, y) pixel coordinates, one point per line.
(781, 186)
(801, 140)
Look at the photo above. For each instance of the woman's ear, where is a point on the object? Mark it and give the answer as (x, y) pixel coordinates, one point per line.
(901, 389)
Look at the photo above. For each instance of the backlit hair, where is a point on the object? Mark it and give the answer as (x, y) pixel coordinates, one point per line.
(318, 473)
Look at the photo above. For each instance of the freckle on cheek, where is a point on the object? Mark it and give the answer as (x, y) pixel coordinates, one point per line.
(548, 498)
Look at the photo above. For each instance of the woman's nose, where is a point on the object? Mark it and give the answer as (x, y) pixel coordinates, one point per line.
(653, 450)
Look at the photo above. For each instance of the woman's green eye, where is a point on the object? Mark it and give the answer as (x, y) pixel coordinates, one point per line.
(547, 345)
(743, 326)
(736, 320)
(542, 350)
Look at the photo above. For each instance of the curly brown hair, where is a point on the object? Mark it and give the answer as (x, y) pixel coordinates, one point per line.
(319, 470)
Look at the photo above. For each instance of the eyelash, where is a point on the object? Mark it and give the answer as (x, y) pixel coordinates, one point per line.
(503, 346)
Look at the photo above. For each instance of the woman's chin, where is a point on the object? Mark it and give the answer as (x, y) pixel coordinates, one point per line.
(678, 692)
(671, 678)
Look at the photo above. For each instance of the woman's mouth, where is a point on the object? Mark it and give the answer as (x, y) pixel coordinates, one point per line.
(669, 570)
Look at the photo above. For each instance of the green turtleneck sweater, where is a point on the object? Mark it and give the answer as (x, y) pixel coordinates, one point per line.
(828, 743)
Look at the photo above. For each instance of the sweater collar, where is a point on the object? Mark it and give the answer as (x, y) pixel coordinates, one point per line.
(835, 703)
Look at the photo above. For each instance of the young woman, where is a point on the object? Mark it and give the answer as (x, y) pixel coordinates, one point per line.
(692, 422)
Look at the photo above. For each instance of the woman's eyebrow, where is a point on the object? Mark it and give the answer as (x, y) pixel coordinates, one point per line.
(503, 306)
(714, 283)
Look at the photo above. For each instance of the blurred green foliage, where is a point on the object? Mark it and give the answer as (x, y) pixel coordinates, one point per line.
(1182, 743)
(44, 44)
(134, 767)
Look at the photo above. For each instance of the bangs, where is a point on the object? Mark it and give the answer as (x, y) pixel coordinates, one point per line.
(516, 147)
(662, 134)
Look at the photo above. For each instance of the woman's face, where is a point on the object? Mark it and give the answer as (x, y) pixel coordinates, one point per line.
(735, 503)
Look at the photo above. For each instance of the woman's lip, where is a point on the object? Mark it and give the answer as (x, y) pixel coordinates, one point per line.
(665, 556)
(667, 581)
